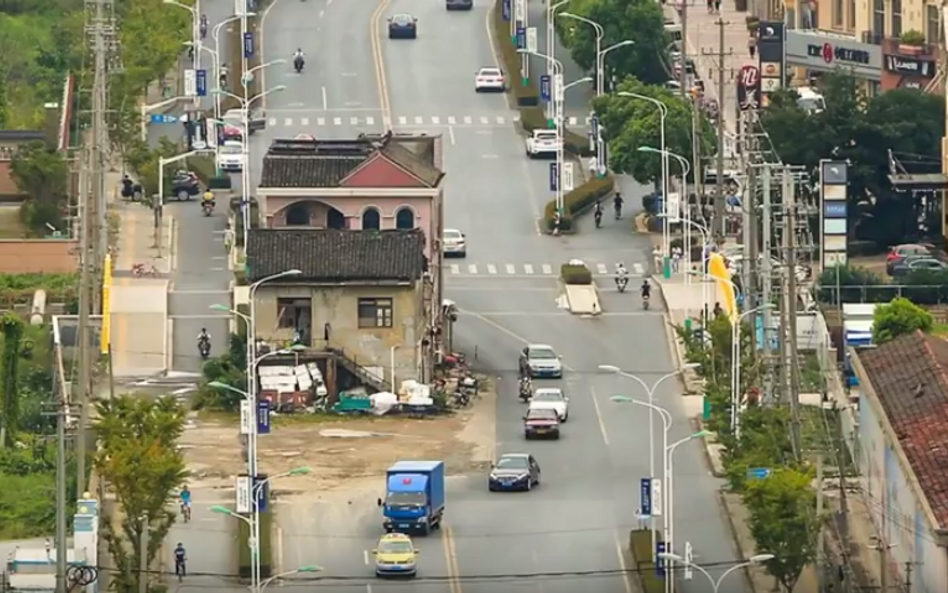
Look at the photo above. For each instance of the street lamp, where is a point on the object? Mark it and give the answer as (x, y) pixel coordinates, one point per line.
(663, 112)
(602, 59)
(195, 31)
(245, 104)
(736, 367)
(600, 32)
(677, 215)
(216, 34)
(668, 524)
(248, 75)
(266, 582)
(146, 109)
(215, 65)
(650, 393)
(716, 584)
(551, 49)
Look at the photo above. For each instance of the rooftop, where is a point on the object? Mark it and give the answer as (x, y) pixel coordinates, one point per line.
(316, 163)
(910, 378)
(331, 256)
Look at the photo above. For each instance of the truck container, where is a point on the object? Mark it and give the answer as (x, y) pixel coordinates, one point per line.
(414, 497)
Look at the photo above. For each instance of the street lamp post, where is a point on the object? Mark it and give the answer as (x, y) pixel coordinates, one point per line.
(216, 34)
(146, 109)
(716, 583)
(215, 65)
(677, 215)
(650, 393)
(600, 32)
(705, 233)
(195, 32)
(602, 62)
(736, 394)
(663, 112)
(551, 50)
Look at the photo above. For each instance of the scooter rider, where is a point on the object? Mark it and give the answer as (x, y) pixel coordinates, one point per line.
(526, 387)
(204, 339)
(299, 59)
(203, 26)
(597, 214)
(646, 290)
(617, 202)
(622, 276)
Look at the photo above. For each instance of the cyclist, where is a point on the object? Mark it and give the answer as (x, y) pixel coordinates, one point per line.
(186, 503)
(180, 561)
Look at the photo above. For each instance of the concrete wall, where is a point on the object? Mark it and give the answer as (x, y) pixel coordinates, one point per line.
(337, 306)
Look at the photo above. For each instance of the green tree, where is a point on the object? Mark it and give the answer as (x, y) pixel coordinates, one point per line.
(783, 522)
(229, 368)
(897, 318)
(144, 161)
(139, 459)
(42, 175)
(629, 124)
(638, 20)
(12, 328)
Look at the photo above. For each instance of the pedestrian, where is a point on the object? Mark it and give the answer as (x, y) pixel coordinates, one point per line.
(676, 259)
(657, 259)
(717, 6)
(752, 44)
(710, 6)
(556, 224)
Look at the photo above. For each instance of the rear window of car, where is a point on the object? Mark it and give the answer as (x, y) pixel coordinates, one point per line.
(490, 72)
(401, 19)
(452, 234)
(545, 135)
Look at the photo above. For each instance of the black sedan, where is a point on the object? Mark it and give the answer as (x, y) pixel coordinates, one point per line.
(514, 471)
(459, 4)
(402, 26)
(913, 263)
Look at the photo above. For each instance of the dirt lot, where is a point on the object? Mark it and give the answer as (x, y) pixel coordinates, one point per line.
(344, 453)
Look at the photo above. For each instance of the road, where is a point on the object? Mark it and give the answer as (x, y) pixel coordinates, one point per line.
(209, 539)
(578, 519)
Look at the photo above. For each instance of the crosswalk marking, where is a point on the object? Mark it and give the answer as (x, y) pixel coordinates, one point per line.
(320, 121)
(547, 269)
(528, 269)
(602, 269)
(402, 120)
(455, 269)
(353, 121)
(511, 269)
(472, 269)
(451, 120)
(272, 121)
(484, 120)
(370, 121)
(419, 120)
(337, 121)
(304, 121)
(541, 270)
(468, 120)
(491, 269)
(288, 122)
(500, 121)
(436, 120)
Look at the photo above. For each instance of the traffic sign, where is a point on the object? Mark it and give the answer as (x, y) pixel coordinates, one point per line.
(190, 82)
(545, 87)
(554, 177)
(645, 497)
(200, 81)
(659, 561)
(594, 126)
(248, 45)
(246, 417)
(532, 39)
(520, 9)
(505, 10)
(263, 416)
(657, 497)
(243, 487)
(558, 87)
(689, 560)
(261, 490)
(758, 473)
(568, 177)
(521, 37)
(162, 118)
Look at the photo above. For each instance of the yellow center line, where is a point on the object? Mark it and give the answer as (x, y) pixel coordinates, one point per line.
(451, 559)
(374, 31)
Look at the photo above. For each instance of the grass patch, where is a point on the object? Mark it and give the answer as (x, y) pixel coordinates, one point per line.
(940, 330)
(11, 227)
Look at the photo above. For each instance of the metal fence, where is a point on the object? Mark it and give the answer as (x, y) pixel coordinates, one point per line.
(882, 293)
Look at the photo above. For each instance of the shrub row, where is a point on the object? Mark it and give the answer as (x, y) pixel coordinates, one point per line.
(640, 544)
(573, 274)
(235, 61)
(578, 200)
(527, 96)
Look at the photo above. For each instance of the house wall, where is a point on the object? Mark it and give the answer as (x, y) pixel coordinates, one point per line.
(338, 307)
(898, 517)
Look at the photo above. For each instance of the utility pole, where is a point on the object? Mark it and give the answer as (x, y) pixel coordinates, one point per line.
(62, 410)
(720, 202)
(766, 276)
(820, 577)
(683, 75)
(750, 243)
(143, 557)
(81, 390)
(790, 239)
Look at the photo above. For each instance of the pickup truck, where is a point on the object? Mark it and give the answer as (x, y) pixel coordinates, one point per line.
(414, 497)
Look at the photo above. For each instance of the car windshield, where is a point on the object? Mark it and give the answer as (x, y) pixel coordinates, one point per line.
(546, 135)
(490, 72)
(230, 149)
(547, 396)
(454, 235)
(542, 354)
(398, 546)
(513, 463)
(401, 19)
(405, 498)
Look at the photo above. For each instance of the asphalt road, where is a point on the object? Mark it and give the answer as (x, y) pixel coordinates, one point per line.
(209, 539)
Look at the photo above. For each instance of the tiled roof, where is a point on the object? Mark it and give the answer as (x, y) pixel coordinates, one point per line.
(308, 171)
(329, 255)
(409, 161)
(910, 378)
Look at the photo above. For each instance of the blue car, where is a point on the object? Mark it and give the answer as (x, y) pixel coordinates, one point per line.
(514, 471)
(402, 26)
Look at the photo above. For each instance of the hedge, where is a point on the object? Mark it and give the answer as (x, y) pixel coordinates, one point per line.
(532, 116)
(235, 61)
(578, 200)
(573, 274)
(239, 219)
(265, 547)
(640, 544)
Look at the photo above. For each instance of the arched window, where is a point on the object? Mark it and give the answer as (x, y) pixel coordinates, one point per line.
(405, 219)
(297, 215)
(371, 219)
(335, 219)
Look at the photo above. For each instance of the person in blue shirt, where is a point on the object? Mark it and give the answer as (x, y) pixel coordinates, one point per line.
(186, 503)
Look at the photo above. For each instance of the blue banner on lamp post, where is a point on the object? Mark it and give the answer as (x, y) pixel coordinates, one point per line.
(554, 177)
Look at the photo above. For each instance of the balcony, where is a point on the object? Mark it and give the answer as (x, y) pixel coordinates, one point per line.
(894, 46)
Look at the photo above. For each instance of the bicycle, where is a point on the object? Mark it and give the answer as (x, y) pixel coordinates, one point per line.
(180, 569)
(186, 512)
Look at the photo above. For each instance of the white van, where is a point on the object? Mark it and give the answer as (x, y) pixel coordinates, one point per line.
(811, 100)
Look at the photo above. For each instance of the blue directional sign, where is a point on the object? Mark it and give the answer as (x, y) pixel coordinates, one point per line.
(659, 561)
(261, 487)
(161, 118)
(521, 36)
(645, 497)
(263, 417)
(554, 177)
(200, 79)
(505, 10)
(248, 45)
(758, 473)
(545, 92)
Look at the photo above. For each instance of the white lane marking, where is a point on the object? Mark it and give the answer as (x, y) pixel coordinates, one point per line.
(484, 120)
(370, 121)
(547, 269)
(304, 121)
(638, 268)
(602, 424)
(511, 269)
(365, 557)
(468, 120)
(472, 269)
(491, 269)
(325, 100)
(288, 121)
(602, 269)
(452, 120)
(348, 75)
(489, 156)
(402, 120)
(337, 121)
(436, 120)
(500, 120)
(455, 269)
(451, 135)
(272, 122)
(320, 121)
(353, 121)
(528, 268)
(572, 121)
(321, 13)
(279, 548)
(419, 120)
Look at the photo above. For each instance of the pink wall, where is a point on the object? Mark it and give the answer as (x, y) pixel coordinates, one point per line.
(276, 208)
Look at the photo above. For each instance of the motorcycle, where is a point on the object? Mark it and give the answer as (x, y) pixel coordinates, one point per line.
(461, 399)
(618, 211)
(140, 271)
(645, 299)
(598, 217)
(526, 391)
(298, 64)
(469, 385)
(204, 349)
(622, 282)
(208, 208)
(203, 30)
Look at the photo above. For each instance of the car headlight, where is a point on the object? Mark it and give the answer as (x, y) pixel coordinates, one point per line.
(422, 519)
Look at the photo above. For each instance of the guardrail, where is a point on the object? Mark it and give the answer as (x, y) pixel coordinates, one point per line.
(882, 293)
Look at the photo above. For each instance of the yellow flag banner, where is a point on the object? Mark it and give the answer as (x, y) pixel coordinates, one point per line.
(717, 269)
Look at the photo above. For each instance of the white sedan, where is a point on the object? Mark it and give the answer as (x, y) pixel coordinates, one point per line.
(490, 79)
(454, 243)
(551, 398)
(230, 156)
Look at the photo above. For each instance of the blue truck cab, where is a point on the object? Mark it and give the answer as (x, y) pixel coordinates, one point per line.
(414, 497)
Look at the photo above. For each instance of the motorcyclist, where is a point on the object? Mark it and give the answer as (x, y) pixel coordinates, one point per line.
(597, 214)
(208, 198)
(299, 58)
(617, 202)
(526, 387)
(204, 338)
(222, 77)
(646, 290)
(203, 26)
(180, 559)
(622, 275)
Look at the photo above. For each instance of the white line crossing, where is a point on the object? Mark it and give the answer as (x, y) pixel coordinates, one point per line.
(599, 269)
(419, 120)
(547, 269)
(451, 120)
(455, 269)
(472, 269)
(511, 269)
(337, 121)
(436, 121)
(468, 120)
(304, 121)
(320, 121)
(403, 120)
(602, 268)
(491, 269)
(528, 268)
(288, 122)
(484, 120)
(353, 121)
(370, 121)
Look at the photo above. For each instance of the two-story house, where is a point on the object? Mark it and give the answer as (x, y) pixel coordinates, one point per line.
(360, 293)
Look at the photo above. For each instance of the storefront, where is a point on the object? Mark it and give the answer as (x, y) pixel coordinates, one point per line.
(908, 66)
(814, 53)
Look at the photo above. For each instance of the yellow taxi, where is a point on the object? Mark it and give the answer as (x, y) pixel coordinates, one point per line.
(395, 555)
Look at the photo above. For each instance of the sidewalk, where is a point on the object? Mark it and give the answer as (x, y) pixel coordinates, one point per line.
(703, 37)
(140, 303)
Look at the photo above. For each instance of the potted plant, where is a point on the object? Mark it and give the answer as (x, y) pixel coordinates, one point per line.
(753, 23)
(911, 41)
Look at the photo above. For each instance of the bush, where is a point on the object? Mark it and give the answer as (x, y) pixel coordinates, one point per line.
(236, 44)
(203, 167)
(220, 182)
(578, 200)
(573, 274)
(640, 544)
(527, 96)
